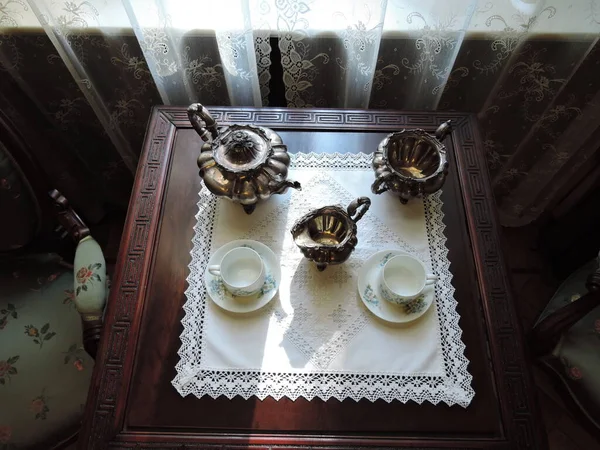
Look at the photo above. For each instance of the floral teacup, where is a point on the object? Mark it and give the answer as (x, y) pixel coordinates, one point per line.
(403, 279)
(242, 271)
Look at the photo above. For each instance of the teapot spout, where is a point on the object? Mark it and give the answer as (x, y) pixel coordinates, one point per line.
(291, 184)
(282, 186)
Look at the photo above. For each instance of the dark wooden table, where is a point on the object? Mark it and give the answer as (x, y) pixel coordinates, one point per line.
(132, 403)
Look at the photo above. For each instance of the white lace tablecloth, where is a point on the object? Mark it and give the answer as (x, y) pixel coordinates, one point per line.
(316, 338)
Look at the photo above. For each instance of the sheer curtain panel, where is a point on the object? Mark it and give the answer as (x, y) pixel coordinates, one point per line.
(87, 72)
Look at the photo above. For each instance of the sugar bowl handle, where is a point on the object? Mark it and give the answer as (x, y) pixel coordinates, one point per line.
(202, 121)
(358, 208)
(380, 185)
(443, 130)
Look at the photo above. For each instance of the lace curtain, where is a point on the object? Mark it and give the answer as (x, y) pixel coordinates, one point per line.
(90, 70)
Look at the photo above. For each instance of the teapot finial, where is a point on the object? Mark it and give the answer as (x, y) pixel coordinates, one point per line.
(443, 130)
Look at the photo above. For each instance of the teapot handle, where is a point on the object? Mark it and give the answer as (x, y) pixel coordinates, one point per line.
(443, 130)
(353, 208)
(198, 115)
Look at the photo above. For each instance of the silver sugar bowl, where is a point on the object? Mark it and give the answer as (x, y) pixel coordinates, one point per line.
(411, 163)
(243, 163)
(328, 235)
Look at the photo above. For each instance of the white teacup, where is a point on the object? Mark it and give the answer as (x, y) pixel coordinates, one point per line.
(403, 279)
(242, 271)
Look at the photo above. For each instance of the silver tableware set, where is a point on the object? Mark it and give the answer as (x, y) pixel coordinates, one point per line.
(247, 164)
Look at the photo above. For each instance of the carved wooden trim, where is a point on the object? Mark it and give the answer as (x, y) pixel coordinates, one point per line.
(332, 119)
(123, 314)
(214, 444)
(507, 343)
(104, 425)
(144, 441)
(169, 446)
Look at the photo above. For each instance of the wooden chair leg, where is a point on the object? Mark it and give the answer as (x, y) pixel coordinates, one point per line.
(92, 328)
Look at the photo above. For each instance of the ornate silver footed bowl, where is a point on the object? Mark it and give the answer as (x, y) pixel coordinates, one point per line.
(411, 163)
(243, 163)
(328, 235)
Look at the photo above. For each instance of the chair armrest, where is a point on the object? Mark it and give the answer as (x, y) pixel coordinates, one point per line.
(70, 222)
(90, 290)
(546, 334)
(90, 272)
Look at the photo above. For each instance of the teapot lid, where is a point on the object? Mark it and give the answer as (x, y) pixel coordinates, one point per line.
(240, 148)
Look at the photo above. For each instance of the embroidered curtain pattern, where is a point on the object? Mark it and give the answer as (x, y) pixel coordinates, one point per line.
(81, 77)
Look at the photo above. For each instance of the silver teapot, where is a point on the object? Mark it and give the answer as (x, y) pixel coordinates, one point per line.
(243, 163)
(328, 235)
(411, 163)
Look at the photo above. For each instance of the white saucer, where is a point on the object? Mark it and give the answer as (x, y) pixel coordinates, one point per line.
(368, 288)
(240, 305)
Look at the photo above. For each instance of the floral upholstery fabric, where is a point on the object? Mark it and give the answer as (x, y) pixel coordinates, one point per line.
(576, 358)
(44, 370)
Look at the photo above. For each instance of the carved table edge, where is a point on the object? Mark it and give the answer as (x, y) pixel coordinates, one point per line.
(509, 359)
(290, 442)
(319, 119)
(114, 361)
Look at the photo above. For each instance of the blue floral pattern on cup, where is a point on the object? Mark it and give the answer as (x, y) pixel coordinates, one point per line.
(269, 285)
(391, 297)
(385, 259)
(216, 287)
(415, 306)
(369, 295)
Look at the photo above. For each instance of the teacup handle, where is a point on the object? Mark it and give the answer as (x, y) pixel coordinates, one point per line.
(353, 208)
(214, 270)
(431, 279)
(204, 124)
